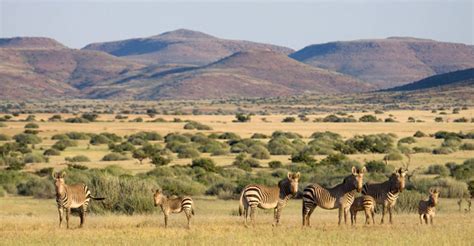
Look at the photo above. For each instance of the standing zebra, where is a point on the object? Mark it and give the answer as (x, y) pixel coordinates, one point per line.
(366, 204)
(427, 209)
(387, 193)
(71, 196)
(341, 196)
(174, 205)
(264, 197)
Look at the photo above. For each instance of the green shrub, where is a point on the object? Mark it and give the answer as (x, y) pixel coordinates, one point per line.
(114, 157)
(78, 135)
(289, 135)
(407, 140)
(335, 118)
(368, 118)
(23, 138)
(289, 119)
(438, 169)
(122, 147)
(160, 160)
(205, 163)
(186, 151)
(148, 136)
(304, 157)
(60, 137)
(229, 135)
(442, 151)
(78, 158)
(417, 149)
(408, 201)
(464, 171)
(240, 117)
(191, 125)
(378, 167)
(419, 134)
(37, 187)
(55, 118)
(4, 137)
(275, 164)
(98, 139)
(375, 143)
(3, 124)
(31, 125)
(259, 136)
(259, 152)
(467, 146)
(461, 120)
(13, 163)
(393, 156)
(223, 190)
(34, 158)
(281, 146)
(449, 187)
(452, 143)
(76, 120)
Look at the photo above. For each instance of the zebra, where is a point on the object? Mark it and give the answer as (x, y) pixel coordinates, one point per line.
(386, 193)
(71, 196)
(174, 205)
(265, 197)
(427, 209)
(366, 204)
(341, 196)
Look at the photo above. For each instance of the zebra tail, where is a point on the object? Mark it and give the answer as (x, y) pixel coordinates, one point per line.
(97, 198)
(241, 204)
(192, 210)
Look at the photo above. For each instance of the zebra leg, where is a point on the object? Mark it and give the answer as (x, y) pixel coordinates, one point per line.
(341, 211)
(372, 212)
(353, 217)
(188, 216)
(246, 215)
(421, 219)
(383, 213)
(431, 219)
(276, 216)
(367, 217)
(68, 211)
(252, 214)
(166, 219)
(81, 216)
(60, 211)
(390, 214)
(346, 213)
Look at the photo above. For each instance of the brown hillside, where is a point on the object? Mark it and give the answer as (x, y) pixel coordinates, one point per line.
(388, 62)
(180, 47)
(244, 74)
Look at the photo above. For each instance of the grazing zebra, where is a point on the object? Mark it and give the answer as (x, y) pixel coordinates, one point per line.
(427, 209)
(71, 196)
(264, 197)
(174, 205)
(387, 193)
(366, 204)
(341, 196)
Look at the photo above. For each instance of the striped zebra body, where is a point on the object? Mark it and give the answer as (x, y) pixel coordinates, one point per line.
(366, 204)
(264, 197)
(174, 205)
(339, 197)
(387, 193)
(427, 209)
(71, 196)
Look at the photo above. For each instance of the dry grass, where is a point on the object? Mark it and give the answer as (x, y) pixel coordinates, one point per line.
(25, 221)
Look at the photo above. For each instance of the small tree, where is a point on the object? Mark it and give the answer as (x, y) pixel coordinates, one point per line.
(140, 155)
(240, 117)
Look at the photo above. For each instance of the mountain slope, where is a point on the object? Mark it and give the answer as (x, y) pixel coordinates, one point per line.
(453, 79)
(180, 47)
(243, 74)
(37, 68)
(388, 62)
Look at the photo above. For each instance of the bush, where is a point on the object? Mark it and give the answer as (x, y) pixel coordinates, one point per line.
(408, 201)
(449, 187)
(13, 163)
(160, 160)
(461, 120)
(464, 171)
(259, 136)
(368, 118)
(24, 138)
(34, 158)
(78, 158)
(98, 139)
(31, 126)
(59, 137)
(443, 151)
(419, 134)
(438, 169)
(191, 125)
(421, 150)
(4, 137)
(204, 163)
(3, 124)
(393, 156)
(438, 119)
(37, 187)
(335, 118)
(452, 143)
(223, 190)
(229, 135)
(50, 152)
(76, 120)
(240, 117)
(78, 135)
(378, 167)
(186, 151)
(289, 119)
(304, 157)
(281, 146)
(407, 140)
(275, 164)
(114, 157)
(259, 152)
(467, 146)
(55, 117)
(375, 143)
(148, 136)
(390, 120)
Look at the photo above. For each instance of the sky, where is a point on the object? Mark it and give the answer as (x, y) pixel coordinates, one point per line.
(294, 24)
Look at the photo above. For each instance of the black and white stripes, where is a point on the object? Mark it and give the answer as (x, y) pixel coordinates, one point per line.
(427, 209)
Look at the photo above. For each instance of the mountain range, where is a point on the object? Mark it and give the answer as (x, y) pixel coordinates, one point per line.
(185, 64)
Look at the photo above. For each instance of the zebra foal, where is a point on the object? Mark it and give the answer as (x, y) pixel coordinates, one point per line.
(427, 209)
(386, 193)
(341, 196)
(174, 205)
(71, 196)
(366, 204)
(255, 196)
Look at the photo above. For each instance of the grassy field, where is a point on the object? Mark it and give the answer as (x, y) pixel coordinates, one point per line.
(27, 221)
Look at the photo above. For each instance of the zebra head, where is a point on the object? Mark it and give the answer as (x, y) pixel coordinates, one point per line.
(59, 182)
(398, 180)
(158, 197)
(434, 195)
(357, 178)
(293, 179)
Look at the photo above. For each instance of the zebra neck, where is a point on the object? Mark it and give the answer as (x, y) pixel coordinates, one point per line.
(342, 189)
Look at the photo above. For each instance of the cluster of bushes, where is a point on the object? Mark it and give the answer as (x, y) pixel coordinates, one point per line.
(194, 125)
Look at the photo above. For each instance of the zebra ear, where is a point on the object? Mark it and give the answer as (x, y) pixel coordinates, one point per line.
(53, 174)
(363, 170)
(297, 175)
(63, 174)
(290, 175)
(354, 170)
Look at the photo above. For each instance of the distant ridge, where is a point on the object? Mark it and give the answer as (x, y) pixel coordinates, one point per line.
(388, 62)
(457, 78)
(30, 42)
(181, 46)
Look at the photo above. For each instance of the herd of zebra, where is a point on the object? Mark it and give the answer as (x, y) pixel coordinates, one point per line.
(341, 197)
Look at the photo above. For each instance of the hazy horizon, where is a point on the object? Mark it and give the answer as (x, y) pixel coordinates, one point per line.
(295, 25)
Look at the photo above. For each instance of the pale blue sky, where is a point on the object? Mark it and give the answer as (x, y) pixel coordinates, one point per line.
(294, 24)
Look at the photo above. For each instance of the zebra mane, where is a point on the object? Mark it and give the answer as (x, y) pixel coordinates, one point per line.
(283, 185)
